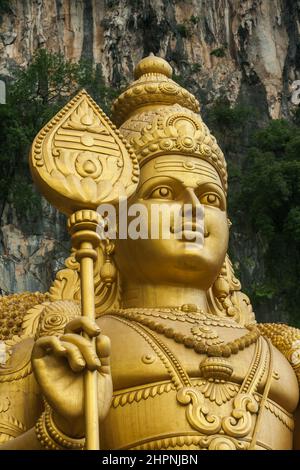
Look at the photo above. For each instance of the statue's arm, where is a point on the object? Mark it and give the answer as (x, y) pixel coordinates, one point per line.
(287, 340)
(20, 400)
(20, 396)
(26, 441)
(296, 445)
(59, 356)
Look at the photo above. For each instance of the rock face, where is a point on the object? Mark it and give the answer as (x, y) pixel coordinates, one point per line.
(245, 50)
(31, 250)
(225, 45)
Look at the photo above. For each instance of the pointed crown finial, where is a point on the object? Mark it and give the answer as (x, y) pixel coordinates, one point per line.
(159, 117)
(153, 64)
(154, 86)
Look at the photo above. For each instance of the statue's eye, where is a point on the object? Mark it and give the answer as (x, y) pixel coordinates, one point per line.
(211, 199)
(162, 193)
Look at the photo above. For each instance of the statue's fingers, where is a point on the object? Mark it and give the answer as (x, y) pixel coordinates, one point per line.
(83, 324)
(74, 357)
(47, 345)
(103, 348)
(86, 349)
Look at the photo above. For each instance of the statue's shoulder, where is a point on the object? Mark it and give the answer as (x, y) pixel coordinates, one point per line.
(15, 343)
(13, 309)
(34, 315)
(50, 318)
(286, 339)
(19, 393)
(24, 318)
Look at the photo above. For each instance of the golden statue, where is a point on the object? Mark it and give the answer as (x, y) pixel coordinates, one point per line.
(186, 366)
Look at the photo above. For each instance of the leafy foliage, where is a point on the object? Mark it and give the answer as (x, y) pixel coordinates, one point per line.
(4, 6)
(270, 196)
(33, 97)
(182, 29)
(264, 200)
(194, 19)
(219, 52)
(231, 127)
(222, 117)
(264, 196)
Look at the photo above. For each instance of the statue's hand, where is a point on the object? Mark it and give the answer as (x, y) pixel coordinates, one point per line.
(59, 365)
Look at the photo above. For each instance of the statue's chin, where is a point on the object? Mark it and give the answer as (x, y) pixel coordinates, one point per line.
(195, 265)
(183, 262)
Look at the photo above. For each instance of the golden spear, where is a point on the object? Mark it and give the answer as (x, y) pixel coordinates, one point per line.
(78, 161)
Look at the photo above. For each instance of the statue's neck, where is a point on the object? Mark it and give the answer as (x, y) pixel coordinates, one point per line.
(151, 296)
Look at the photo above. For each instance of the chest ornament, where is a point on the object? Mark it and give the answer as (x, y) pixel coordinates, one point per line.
(216, 368)
(203, 339)
(235, 427)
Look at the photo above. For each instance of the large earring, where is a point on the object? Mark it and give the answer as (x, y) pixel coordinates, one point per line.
(222, 291)
(108, 272)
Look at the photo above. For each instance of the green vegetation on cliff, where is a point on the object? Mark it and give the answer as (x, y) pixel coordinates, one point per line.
(264, 202)
(33, 97)
(264, 171)
(269, 197)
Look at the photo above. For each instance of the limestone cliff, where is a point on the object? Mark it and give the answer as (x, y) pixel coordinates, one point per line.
(227, 46)
(245, 50)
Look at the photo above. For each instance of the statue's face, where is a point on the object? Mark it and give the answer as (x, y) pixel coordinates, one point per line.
(175, 181)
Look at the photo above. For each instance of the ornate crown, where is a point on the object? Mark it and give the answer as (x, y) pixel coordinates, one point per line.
(158, 117)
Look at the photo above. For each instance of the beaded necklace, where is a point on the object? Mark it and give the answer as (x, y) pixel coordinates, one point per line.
(190, 313)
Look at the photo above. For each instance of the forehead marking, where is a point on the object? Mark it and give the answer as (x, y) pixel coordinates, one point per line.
(188, 167)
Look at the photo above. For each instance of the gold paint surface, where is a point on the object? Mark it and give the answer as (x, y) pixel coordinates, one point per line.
(174, 334)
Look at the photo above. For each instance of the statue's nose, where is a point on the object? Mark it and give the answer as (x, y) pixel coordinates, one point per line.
(193, 207)
(189, 197)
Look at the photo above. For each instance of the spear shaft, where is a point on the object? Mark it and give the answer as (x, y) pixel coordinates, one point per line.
(72, 165)
(90, 378)
(83, 226)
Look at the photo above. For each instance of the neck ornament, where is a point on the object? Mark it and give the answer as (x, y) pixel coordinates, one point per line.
(203, 340)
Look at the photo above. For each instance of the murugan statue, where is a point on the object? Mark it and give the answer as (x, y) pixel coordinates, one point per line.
(177, 358)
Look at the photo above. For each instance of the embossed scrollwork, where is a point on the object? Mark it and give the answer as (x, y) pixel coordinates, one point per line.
(240, 422)
(221, 443)
(237, 425)
(197, 413)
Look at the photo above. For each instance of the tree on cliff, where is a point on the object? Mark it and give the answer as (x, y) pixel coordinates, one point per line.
(264, 189)
(33, 97)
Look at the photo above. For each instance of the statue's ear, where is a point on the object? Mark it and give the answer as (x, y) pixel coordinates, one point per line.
(225, 297)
